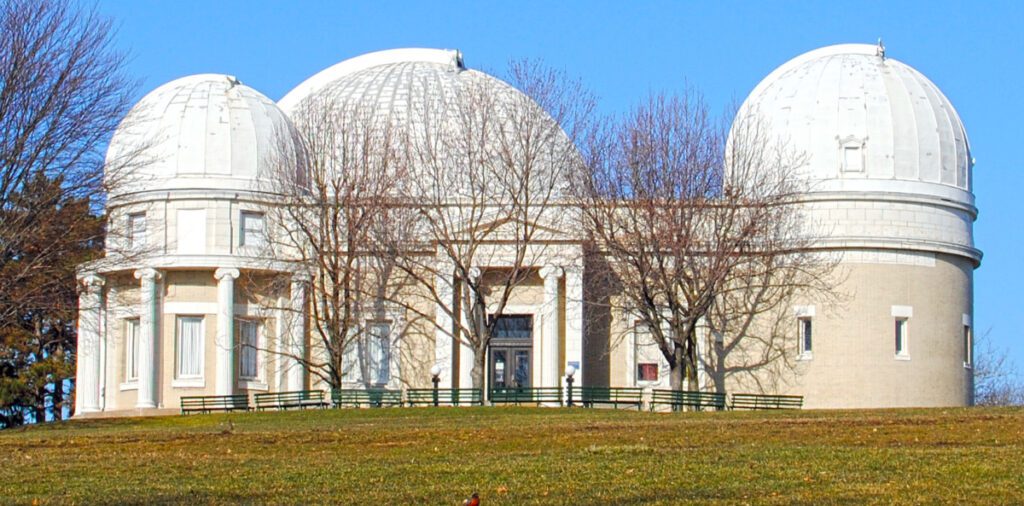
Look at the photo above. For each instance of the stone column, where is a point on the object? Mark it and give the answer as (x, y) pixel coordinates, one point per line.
(88, 374)
(297, 333)
(467, 354)
(549, 376)
(225, 343)
(574, 320)
(149, 331)
(443, 322)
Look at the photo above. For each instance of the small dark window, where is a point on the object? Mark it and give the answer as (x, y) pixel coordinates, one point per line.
(806, 340)
(647, 372)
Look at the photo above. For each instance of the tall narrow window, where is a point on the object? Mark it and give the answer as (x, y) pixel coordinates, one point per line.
(131, 345)
(189, 347)
(806, 343)
(968, 347)
(646, 352)
(252, 230)
(901, 337)
(248, 340)
(379, 356)
(137, 231)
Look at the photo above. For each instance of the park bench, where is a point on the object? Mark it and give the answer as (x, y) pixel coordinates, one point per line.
(591, 396)
(300, 399)
(445, 397)
(677, 399)
(526, 395)
(370, 397)
(210, 403)
(761, 401)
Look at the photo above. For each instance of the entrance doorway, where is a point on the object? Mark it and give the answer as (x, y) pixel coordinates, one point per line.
(510, 355)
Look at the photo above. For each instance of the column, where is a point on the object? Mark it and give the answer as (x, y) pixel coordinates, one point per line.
(225, 343)
(549, 376)
(87, 382)
(444, 292)
(149, 322)
(467, 354)
(574, 320)
(297, 333)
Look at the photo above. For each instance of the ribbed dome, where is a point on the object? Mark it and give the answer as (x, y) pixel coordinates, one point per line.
(205, 131)
(862, 118)
(416, 91)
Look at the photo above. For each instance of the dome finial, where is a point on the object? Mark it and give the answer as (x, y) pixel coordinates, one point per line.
(880, 51)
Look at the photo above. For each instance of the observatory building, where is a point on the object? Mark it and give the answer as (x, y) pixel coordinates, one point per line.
(196, 297)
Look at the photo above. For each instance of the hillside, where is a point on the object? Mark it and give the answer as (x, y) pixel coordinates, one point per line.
(523, 455)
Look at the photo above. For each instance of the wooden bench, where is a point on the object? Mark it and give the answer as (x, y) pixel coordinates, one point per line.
(677, 399)
(590, 396)
(526, 395)
(445, 397)
(300, 399)
(211, 403)
(761, 401)
(370, 397)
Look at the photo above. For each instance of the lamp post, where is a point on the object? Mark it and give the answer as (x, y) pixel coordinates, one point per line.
(569, 372)
(436, 373)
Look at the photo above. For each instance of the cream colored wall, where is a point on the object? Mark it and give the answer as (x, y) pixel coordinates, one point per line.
(854, 363)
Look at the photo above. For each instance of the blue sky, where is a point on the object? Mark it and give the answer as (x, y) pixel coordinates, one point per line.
(974, 52)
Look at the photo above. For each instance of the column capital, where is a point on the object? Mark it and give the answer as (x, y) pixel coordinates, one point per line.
(92, 283)
(148, 273)
(549, 271)
(473, 273)
(223, 272)
(301, 277)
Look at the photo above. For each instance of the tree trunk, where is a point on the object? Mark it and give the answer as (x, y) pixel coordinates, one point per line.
(677, 369)
(479, 362)
(58, 399)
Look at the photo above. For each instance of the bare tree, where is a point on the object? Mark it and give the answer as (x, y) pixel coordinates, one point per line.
(997, 381)
(487, 181)
(703, 237)
(62, 92)
(337, 172)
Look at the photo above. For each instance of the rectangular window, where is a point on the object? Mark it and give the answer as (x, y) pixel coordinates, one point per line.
(191, 231)
(901, 337)
(252, 230)
(852, 159)
(513, 327)
(189, 347)
(968, 346)
(137, 231)
(248, 341)
(647, 372)
(131, 344)
(806, 343)
(379, 356)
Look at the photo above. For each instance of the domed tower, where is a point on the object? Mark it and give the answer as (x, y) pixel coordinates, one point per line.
(167, 313)
(448, 118)
(888, 167)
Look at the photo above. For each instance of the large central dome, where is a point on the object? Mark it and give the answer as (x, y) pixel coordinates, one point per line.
(428, 96)
(866, 122)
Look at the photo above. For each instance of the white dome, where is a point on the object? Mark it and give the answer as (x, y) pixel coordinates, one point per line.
(866, 123)
(413, 88)
(206, 131)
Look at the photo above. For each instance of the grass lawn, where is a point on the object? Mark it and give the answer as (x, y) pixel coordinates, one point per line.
(523, 455)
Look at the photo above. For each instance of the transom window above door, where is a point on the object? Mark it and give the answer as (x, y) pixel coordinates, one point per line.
(513, 326)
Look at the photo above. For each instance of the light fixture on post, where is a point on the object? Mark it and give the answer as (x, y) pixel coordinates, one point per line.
(569, 372)
(435, 372)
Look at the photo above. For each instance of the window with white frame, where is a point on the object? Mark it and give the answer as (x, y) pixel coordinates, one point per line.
(131, 346)
(252, 230)
(379, 352)
(189, 347)
(646, 352)
(968, 347)
(805, 326)
(901, 338)
(137, 231)
(248, 357)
